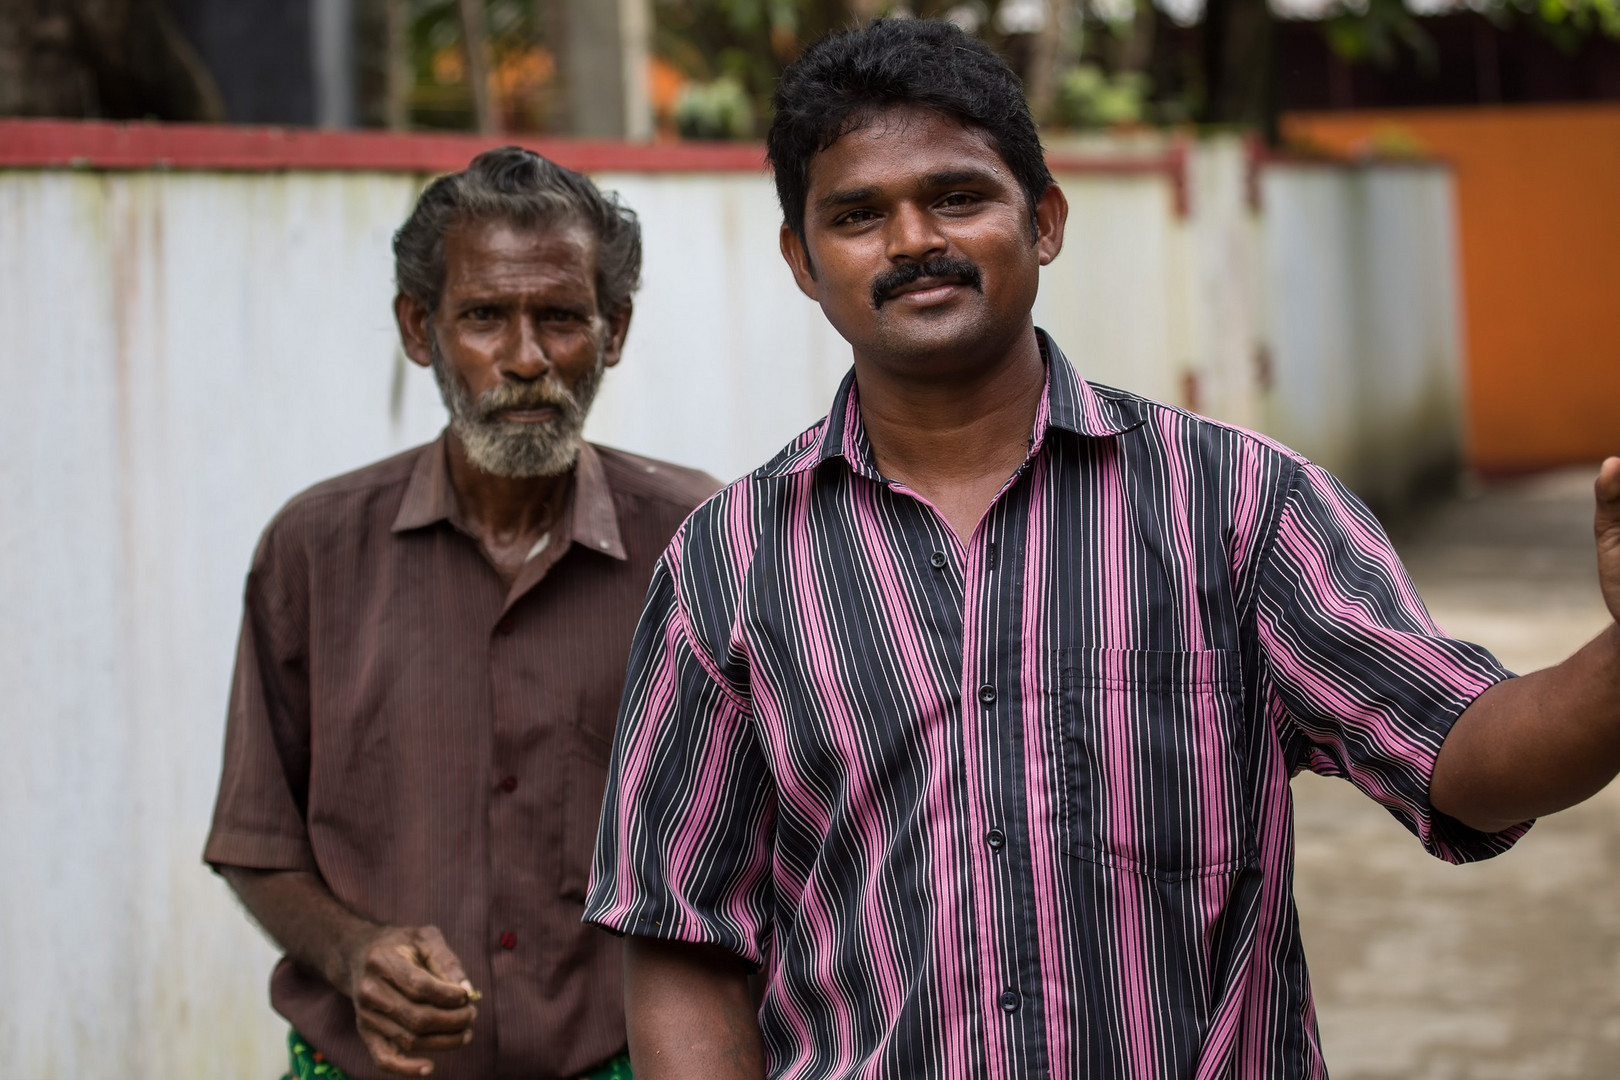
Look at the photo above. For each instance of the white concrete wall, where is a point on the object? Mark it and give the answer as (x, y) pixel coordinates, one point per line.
(726, 359)
(1360, 309)
(1310, 300)
(183, 351)
(1109, 299)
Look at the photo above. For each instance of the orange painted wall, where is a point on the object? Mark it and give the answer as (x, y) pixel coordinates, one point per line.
(1538, 195)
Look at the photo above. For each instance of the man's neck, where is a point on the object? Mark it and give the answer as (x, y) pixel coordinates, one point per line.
(944, 430)
(955, 441)
(502, 509)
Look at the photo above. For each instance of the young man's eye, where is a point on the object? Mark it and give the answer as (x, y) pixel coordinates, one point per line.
(856, 217)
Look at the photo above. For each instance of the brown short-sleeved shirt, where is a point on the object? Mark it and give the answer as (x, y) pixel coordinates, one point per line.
(435, 744)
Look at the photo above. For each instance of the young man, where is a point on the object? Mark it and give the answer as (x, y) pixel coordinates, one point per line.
(431, 658)
(969, 719)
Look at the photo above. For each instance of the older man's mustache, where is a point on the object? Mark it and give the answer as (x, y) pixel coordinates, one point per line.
(520, 396)
(960, 270)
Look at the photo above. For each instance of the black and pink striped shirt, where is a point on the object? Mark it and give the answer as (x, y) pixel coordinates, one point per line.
(1020, 808)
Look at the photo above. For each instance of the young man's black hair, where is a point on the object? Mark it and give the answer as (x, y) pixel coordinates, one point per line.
(834, 88)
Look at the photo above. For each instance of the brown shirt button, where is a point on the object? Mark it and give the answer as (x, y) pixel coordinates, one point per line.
(509, 783)
(505, 626)
(509, 940)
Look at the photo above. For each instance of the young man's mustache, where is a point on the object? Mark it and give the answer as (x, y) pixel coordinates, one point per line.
(960, 269)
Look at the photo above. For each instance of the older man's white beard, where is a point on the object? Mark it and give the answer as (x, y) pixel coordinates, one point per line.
(507, 447)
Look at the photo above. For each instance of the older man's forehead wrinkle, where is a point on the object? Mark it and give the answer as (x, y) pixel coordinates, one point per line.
(480, 251)
(555, 283)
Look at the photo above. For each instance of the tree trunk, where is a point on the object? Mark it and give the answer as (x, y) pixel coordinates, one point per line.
(1240, 65)
(140, 62)
(1040, 83)
(1136, 50)
(39, 73)
(475, 39)
(123, 59)
(551, 27)
(401, 74)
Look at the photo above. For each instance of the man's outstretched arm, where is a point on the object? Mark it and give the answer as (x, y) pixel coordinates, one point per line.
(690, 1012)
(409, 991)
(1543, 742)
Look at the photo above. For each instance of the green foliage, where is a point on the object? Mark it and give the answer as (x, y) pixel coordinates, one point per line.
(1374, 30)
(435, 27)
(715, 110)
(1375, 33)
(1087, 96)
(735, 51)
(1575, 18)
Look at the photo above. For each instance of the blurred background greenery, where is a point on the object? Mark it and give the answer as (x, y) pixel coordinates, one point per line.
(705, 69)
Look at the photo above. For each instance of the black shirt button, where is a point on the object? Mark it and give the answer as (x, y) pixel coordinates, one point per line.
(1010, 1001)
(505, 626)
(987, 694)
(937, 560)
(996, 839)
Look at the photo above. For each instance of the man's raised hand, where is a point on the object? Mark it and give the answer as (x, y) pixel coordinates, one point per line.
(1606, 525)
(410, 996)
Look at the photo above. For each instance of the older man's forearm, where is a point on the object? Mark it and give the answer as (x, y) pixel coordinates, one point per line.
(299, 912)
(690, 1012)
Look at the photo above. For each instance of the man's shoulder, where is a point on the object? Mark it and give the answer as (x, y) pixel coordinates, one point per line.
(799, 457)
(652, 480)
(729, 526)
(1161, 421)
(351, 498)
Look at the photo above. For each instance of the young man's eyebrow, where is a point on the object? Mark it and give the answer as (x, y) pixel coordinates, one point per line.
(834, 199)
(952, 177)
(944, 178)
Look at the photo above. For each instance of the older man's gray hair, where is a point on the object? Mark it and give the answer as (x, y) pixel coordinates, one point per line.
(519, 186)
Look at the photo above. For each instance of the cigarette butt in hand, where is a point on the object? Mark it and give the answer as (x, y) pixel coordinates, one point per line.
(415, 957)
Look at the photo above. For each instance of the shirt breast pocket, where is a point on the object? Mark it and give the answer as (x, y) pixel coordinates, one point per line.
(1153, 762)
(583, 782)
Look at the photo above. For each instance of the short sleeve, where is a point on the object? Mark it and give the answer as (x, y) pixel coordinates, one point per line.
(683, 850)
(1362, 682)
(259, 813)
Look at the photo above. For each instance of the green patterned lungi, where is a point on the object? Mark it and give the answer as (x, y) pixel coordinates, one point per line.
(308, 1064)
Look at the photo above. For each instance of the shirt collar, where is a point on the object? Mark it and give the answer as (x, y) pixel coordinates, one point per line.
(430, 497)
(1073, 404)
(1068, 403)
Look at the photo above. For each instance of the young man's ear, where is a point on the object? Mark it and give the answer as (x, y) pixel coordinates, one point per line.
(798, 260)
(618, 328)
(1051, 215)
(413, 318)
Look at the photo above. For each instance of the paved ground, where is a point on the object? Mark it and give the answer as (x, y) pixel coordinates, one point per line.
(1505, 970)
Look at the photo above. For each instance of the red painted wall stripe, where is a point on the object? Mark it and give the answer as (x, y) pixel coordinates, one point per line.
(102, 145)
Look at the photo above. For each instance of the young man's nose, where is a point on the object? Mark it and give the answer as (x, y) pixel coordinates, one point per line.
(914, 234)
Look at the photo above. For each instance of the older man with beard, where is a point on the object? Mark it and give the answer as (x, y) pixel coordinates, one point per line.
(431, 658)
